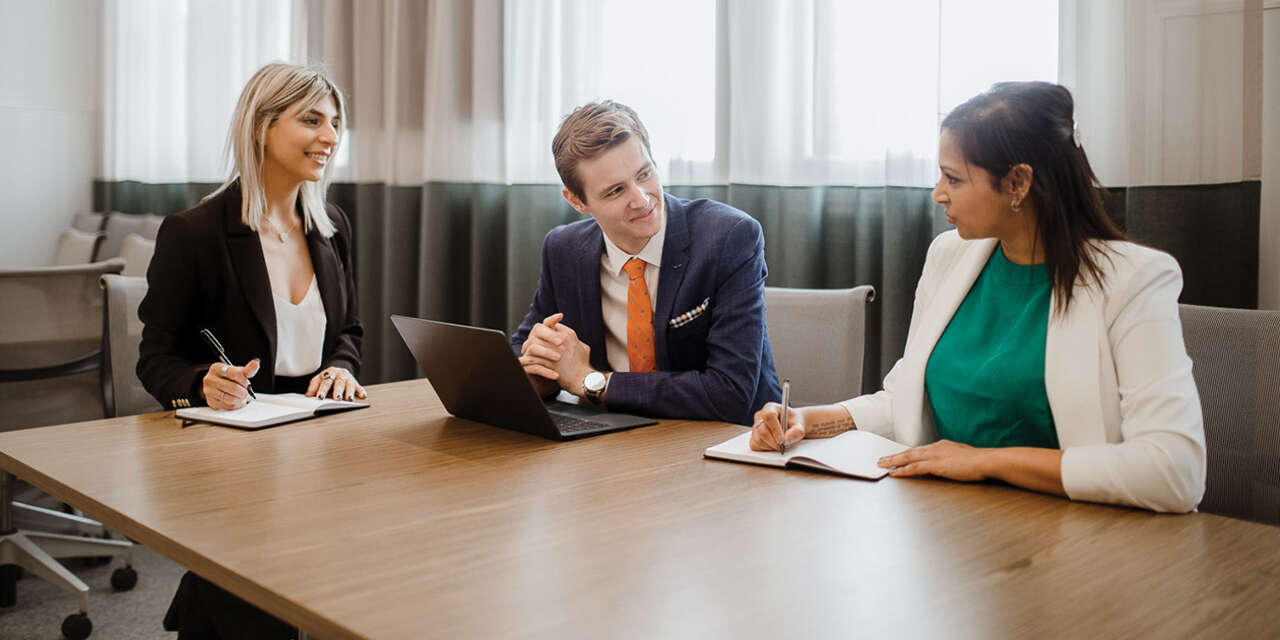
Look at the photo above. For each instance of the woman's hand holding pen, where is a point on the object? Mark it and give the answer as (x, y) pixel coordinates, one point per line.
(766, 432)
(226, 386)
(821, 421)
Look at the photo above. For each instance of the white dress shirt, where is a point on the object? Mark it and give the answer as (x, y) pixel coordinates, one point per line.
(613, 291)
(299, 333)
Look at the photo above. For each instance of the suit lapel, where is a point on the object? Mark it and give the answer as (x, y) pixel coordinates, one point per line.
(591, 329)
(675, 255)
(251, 273)
(916, 424)
(956, 284)
(325, 264)
(1072, 366)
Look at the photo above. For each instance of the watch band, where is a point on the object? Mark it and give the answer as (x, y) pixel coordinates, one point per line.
(596, 397)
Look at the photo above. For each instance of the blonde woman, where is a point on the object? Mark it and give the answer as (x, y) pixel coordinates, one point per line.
(265, 265)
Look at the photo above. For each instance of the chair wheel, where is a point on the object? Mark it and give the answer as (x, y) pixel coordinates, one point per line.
(77, 626)
(124, 579)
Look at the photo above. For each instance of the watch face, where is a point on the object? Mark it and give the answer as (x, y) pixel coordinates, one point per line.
(594, 381)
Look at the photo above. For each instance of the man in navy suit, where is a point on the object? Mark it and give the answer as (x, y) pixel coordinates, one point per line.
(655, 305)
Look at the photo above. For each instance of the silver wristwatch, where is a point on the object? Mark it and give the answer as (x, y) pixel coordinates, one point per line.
(593, 386)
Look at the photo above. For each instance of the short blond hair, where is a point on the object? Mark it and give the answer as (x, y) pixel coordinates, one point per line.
(589, 131)
(266, 97)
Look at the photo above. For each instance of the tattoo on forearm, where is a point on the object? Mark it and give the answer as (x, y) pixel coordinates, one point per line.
(829, 428)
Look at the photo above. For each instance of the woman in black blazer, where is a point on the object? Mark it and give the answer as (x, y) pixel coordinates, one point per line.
(209, 271)
(265, 264)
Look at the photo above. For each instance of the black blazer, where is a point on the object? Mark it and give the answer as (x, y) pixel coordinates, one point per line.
(208, 272)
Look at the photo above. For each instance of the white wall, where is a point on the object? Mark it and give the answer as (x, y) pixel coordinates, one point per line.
(1269, 227)
(50, 52)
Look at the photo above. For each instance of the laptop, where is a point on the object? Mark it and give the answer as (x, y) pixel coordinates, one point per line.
(478, 377)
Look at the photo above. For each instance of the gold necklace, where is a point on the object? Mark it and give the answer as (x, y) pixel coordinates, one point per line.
(284, 235)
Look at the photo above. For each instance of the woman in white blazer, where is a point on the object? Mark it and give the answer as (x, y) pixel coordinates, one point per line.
(1113, 414)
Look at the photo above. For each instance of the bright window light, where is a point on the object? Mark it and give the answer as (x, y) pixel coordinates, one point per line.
(659, 57)
(994, 40)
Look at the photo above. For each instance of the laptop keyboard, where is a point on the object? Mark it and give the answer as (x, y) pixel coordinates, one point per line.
(568, 424)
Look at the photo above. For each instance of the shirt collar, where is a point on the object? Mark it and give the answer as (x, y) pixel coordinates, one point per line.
(615, 258)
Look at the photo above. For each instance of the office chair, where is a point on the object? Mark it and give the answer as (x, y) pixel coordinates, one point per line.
(122, 331)
(118, 226)
(1235, 355)
(819, 338)
(51, 354)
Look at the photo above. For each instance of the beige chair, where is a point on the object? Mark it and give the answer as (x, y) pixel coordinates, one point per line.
(75, 247)
(818, 337)
(92, 221)
(51, 344)
(122, 331)
(137, 252)
(118, 226)
(51, 351)
(1236, 364)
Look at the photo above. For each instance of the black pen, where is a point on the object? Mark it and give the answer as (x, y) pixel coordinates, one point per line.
(222, 355)
(786, 400)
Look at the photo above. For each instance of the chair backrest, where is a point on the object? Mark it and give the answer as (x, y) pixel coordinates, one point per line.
(91, 221)
(137, 252)
(51, 344)
(119, 225)
(819, 337)
(75, 247)
(122, 331)
(1235, 355)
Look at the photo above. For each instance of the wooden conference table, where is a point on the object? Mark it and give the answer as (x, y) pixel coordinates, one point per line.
(399, 521)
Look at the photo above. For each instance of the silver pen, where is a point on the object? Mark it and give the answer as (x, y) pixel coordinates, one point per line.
(222, 355)
(786, 400)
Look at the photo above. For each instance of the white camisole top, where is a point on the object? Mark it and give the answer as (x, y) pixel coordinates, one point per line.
(299, 333)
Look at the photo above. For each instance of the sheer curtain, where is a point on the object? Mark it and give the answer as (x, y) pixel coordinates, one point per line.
(767, 92)
(1169, 107)
(831, 111)
(424, 174)
(172, 71)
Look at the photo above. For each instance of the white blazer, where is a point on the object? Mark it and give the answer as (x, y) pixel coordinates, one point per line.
(1116, 371)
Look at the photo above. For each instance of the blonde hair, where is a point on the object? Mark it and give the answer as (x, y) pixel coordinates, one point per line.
(267, 96)
(589, 131)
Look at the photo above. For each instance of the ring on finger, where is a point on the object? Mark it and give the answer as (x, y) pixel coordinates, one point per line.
(326, 375)
(224, 369)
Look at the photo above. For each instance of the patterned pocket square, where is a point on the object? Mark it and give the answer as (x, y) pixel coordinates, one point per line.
(690, 315)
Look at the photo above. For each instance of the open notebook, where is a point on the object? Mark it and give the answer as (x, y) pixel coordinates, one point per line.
(852, 453)
(268, 410)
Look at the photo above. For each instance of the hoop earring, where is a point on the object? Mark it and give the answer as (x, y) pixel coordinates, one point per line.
(1015, 205)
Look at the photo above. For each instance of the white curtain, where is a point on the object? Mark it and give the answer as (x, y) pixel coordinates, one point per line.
(424, 81)
(780, 92)
(784, 92)
(1168, 92)
(172, 71)
(1169, 97)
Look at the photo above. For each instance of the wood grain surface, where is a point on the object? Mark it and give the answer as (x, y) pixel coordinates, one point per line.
(400, 521)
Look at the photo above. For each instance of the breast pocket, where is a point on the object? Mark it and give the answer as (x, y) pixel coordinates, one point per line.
(687, 335)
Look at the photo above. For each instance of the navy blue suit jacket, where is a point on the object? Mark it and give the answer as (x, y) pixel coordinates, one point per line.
(717, 366)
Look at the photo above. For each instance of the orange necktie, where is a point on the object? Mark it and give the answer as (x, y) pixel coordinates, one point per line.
(639, 319)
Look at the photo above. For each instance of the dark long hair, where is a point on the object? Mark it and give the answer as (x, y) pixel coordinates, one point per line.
(1033, 123)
